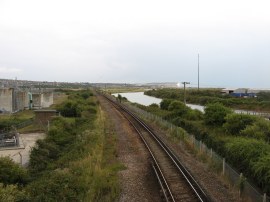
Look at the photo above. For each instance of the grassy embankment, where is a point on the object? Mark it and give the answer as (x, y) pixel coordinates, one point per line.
(75, 162)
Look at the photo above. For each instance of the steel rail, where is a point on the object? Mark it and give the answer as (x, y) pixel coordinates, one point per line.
(158, 171)
(185, 173)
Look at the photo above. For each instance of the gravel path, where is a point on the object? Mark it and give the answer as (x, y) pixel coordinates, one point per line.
(138, 182)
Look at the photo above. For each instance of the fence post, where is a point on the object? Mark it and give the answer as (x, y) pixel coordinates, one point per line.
(211, 153)
(20, 158)
(223, 167)
(264, 197)
(200, 146)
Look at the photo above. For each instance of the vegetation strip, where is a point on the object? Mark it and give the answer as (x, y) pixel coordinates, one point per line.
(75, 162)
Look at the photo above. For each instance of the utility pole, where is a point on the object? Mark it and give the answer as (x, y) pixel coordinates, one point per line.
(185, 90)
(198, 71)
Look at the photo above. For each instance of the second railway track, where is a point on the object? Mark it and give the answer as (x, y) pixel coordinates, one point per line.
(176, 182)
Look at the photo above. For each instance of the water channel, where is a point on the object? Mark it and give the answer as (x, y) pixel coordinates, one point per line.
(146, 100)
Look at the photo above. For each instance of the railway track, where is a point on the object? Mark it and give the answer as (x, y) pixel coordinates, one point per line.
(177, 184)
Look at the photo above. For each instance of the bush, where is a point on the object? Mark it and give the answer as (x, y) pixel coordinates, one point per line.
(42, 156)
(58, 185)
(193, 115)
(215, 114)
(243, 152)
(237, 122)
(260, 129)
(70, 109)
(165, 104)
(12, 173)
(11, 193)
(178, 108)
(261, 169)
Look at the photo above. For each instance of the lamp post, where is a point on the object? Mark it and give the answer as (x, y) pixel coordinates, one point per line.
(185, 82)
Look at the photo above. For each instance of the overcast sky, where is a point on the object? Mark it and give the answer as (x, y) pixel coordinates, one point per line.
(137, 41)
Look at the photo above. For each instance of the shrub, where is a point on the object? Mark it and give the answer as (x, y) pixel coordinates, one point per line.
(165, 104)
(243, 152)
(11, 173)
(261, 170)
(260, 129)
(70, 109)
(11, 193)
(215, 114)
(58, 185)
(154, 106)
(178, 107)
(193, 115)
(237, 122)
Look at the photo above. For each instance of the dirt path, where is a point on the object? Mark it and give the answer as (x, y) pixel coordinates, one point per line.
(138, 182)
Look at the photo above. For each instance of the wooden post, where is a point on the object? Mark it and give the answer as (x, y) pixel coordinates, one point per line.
(20, 158)
(223, 167)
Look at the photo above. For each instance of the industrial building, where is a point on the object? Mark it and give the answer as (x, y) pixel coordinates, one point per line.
(243, 92)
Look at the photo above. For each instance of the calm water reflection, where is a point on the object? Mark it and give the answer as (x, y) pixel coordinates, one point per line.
(146, 100)
(140, 98)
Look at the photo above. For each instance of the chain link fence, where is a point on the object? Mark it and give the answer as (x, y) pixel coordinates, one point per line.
(247, 191)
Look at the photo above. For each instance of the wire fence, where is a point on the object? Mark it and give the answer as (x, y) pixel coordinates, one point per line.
(247, 191)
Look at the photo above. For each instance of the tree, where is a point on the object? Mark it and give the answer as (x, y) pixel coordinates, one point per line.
(215, 114)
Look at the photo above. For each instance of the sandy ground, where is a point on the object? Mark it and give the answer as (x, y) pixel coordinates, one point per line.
(21, 154)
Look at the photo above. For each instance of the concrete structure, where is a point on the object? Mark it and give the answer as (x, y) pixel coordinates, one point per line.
(6, 99)
(47, 99)
(12, 100)
(43, 116)
(42, 100)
